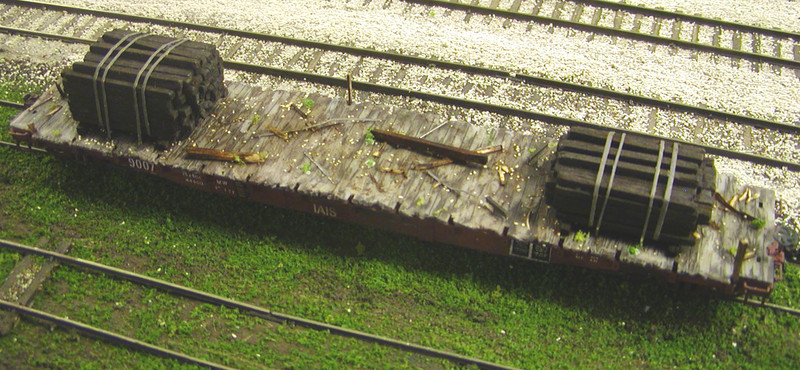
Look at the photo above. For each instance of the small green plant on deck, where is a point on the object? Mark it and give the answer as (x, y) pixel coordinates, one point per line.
(308, 103)
(370, 162)
(306, 167)
(758, 223)
(580, 236)
(256, 118)
(634, 249)
(369, 138)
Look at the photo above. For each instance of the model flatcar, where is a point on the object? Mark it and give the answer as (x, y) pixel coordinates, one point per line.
(594, 198)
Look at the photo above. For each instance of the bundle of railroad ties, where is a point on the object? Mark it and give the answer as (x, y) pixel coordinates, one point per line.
(144, 86)
(631, 186)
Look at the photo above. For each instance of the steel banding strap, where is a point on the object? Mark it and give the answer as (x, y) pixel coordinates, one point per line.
(599, 178)
(668, 192)
(105, 74)
(166, 52)
(136, 85)
(97, 73)
(610, 182)
(656, 173)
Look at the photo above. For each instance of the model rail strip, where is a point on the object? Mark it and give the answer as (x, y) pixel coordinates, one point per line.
(660, 40)
(245, 307)
(107, 335)
(17, 146)
(774, 307)
(11, 104)
(490, 72)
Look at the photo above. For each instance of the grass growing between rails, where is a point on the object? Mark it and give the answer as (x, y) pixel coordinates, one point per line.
(499, 309)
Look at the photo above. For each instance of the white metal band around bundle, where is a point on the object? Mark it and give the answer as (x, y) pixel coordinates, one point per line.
(668, 191)
(172, 45)
(599, 178)
(656, 174)
(610, 182)
(145, 66)
(101, 99)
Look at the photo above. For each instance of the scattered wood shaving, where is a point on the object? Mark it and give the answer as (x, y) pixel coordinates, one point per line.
(278, 132)
(221, 155)
(54, 110)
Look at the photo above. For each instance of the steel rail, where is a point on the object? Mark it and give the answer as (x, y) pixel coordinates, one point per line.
(773, 306)
(110, 336)
(44, 35)
(17, 146)
(11, 104)
(609, 31)
(246, 307)
(483, 71)
(778, 33)
(493, 108)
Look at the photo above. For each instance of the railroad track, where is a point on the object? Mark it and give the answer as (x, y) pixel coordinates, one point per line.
(406, 72)
(465, 103)
(238, 44)
(410, 72)
(659, 27)
(200, 296)
(263, 313)
(788, 161)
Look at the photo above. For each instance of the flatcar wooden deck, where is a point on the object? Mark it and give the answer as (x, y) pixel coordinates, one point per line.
(340, 172)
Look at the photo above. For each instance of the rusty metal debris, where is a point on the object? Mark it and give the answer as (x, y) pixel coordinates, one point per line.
(489, 149)
(299, 111)
(430, 147)
(319, 168)
(36, 103)
(497, 207)
(349, 89)
(278, 132)
(729, 206)
(54, 110)
(394, 171)
(377, 184)
(221, 155)
(319, 126)
(448, 187)
(20, 134)
(447, 161)
(31, 98)
(538, 152)
(432, 165)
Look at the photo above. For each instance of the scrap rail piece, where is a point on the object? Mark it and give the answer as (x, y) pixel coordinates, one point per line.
(427, 146)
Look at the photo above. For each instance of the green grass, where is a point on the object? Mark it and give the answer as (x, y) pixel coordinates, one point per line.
(499, 309)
